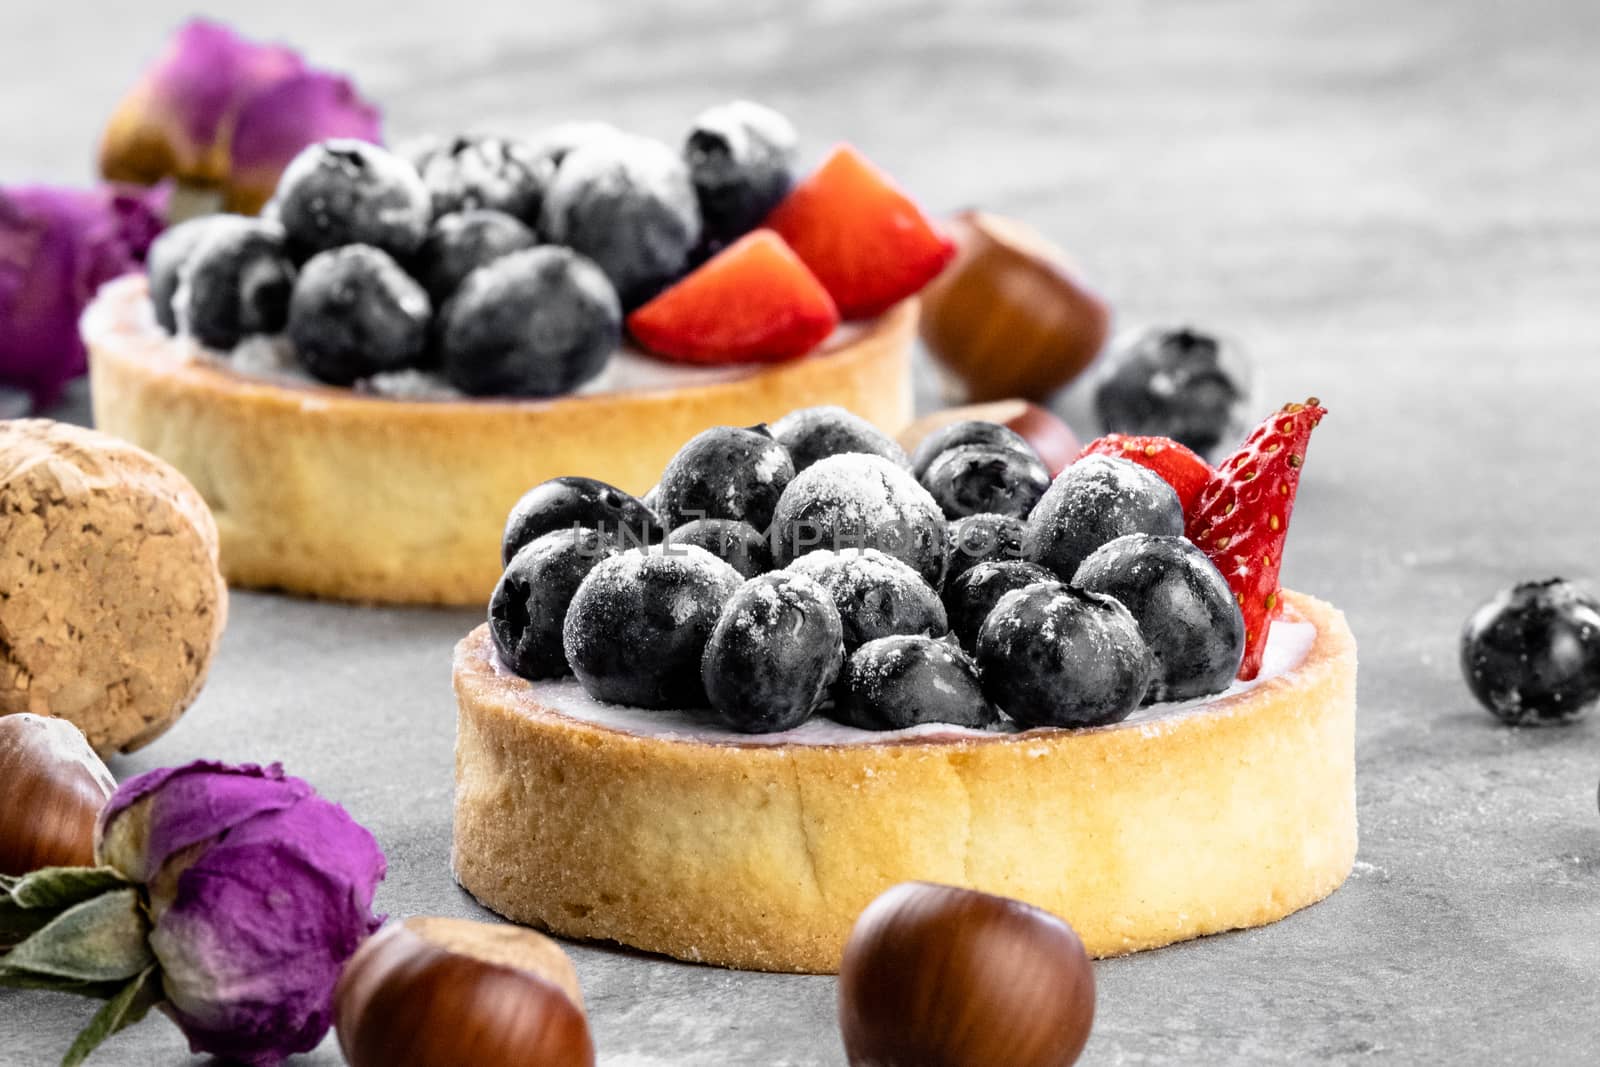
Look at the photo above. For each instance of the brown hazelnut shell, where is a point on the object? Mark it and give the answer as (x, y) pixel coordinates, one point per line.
(936, 976)
(52, 787)
(432, 992)
(1010, 315)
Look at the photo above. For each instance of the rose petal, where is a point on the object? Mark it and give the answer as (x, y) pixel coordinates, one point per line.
(282, 119)
(176, 118)
(57, 247)
(157, 814)
(261, 926)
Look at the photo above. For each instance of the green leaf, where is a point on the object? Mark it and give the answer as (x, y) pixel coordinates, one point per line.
(132, 1003)
(60, 887)
(24, 980)
(17, 924)
(102, 939)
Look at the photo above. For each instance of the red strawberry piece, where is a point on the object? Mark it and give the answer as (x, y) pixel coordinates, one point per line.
(753, 302)
(1242, 518)
(1176, 463)
(866, 241)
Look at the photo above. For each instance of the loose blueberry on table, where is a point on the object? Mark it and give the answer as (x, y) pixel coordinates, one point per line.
(1531, 654)
(485, 265)
(758, 597)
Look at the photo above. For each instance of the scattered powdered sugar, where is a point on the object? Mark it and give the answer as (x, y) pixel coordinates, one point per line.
(1288, 644)
(410, 384)
(267, 356)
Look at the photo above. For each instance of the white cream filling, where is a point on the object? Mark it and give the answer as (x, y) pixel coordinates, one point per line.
(271, 359)
(1288, 644)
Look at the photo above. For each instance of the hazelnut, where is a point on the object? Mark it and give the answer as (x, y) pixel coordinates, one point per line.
(1010, 316)
(434, 992)
(935, 976)
(1053, 439)
(52, 787)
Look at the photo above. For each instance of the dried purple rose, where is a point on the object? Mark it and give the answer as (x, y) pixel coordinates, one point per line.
(221, 112)
(57, 246)
(230, 897)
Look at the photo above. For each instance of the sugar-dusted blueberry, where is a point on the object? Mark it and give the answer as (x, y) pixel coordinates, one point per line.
(555, 143)
(741, 157)
(973, 479)
(970, 597)
(1531, 653)
(1180, 383)
(1050, 655)
(816, 433)
(637, 627)
(355, 313)
(876, 594)
(742, 546)
(540, 322)
(235, 284)
(774, 654)
(475, 170)
(966, 432)
(907, 680)
(573, 501)
(170, 251)
(628, 204)
(529, 606)
(981, 538)
(1183, 606)
(857, 500)
(725, 473)
(461, 242)
(346, 192)
(1096, 500)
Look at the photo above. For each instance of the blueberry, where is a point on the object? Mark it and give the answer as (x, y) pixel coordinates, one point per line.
(1096, 500)
(816, 433)
(535, 323)
(739, 544)
(725, 473)
(1178, 383)
(877, 595)
(170, 251)
(346, 192)
(628, 204)
(355, 313)
(529, 605)
(637, 627)
(1183, 606)
(562, 503)
(972, 595)
(1531, 654)
(473, 171)
(902, 681)
(463, 241)
(556, 143)
(966, 432)
(974, 479)
(860, 501)
(981, 538)
(741, 157)
(1050, 655)
(234, 284)
(774, 654)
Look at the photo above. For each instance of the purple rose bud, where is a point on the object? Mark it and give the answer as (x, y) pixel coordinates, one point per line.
(215, 109)
(57, 246)
(259, 892)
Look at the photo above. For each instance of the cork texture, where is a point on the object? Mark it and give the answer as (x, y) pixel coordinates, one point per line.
(111, 602)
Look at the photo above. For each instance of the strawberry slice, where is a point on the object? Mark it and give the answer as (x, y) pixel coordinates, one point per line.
(865, 240)
(1177, 464)
(1242, 518)
(753, 302)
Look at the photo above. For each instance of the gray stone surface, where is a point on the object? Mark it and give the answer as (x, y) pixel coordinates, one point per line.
(1393, 204)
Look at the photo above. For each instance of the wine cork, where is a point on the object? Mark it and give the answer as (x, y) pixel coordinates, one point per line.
(111, 603)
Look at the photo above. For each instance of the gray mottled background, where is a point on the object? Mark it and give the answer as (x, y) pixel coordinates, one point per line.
(1395, 205)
